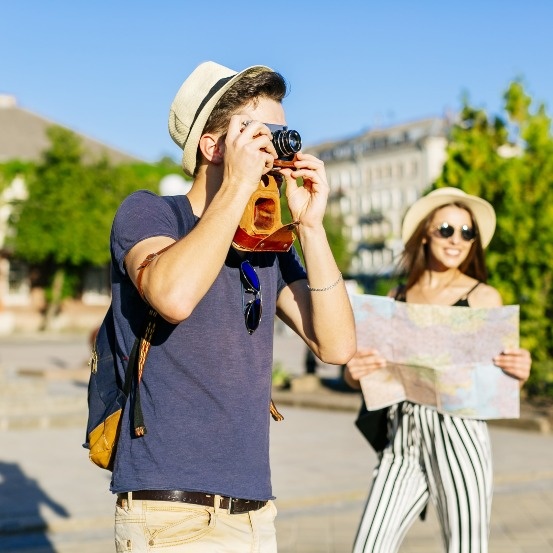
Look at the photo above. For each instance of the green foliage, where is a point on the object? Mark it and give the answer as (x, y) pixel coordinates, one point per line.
(338, 242)
(67, 217)
(383, 285)
(71, 283)
(280, 376)
(336, 238)
(509, 162)
(12, 169)
(66, 221)
(66, 210)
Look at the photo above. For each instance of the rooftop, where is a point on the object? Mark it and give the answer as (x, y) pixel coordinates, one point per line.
(23, 136)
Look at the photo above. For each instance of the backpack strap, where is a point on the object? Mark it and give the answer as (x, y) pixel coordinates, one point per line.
(138, 357)
(275, 412)
(143, 265)
(142, 344)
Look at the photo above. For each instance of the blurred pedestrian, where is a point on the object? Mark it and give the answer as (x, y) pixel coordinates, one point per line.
(427, 454)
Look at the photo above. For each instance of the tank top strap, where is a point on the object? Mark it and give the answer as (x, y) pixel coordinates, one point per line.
(464, 299)
(401, 293)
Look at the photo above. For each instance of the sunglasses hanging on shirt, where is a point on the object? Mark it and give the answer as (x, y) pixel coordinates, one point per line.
(251, 285)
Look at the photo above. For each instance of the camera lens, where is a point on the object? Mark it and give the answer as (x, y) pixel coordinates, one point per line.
(286, 143)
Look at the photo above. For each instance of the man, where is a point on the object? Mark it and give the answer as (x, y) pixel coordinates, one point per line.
(199, 479)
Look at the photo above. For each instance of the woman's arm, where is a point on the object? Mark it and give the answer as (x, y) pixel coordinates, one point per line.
(516, 362)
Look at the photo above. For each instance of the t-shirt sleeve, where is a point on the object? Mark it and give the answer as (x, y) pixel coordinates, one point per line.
(142, 215)
(291, 268)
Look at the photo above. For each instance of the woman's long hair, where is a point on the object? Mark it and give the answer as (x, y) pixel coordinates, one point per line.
(415, 257)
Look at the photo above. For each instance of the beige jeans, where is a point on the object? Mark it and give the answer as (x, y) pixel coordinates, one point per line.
(169, 527)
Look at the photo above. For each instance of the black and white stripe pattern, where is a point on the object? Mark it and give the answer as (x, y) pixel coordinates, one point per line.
(436, 456)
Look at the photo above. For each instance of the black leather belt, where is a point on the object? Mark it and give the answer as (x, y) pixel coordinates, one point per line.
(233, 505)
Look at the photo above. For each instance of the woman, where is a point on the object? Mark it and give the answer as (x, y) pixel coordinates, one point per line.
(429, 454)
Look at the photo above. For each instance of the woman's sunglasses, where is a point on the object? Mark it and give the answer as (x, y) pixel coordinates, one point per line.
(251, 285)
(445, 230)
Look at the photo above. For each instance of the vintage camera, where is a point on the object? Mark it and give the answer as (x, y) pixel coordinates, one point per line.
(261, 227)
(287, 142)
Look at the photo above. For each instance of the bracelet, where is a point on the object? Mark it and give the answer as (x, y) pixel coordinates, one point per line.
(326, 287)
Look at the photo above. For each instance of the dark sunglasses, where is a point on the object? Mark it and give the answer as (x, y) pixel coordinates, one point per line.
(445, 230)
(253, 308)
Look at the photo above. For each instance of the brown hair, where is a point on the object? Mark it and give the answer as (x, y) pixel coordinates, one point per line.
(249, 89)
(414, 259)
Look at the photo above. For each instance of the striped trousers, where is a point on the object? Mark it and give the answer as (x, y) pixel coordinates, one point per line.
(430, 456)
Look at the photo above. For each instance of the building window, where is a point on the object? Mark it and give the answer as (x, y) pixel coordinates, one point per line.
(375, 196)
(345, 181)
(15, 283)
(18, 278)
(97, 286)
(396, 198)
(368, 176)
(345, 204)
(365, 204)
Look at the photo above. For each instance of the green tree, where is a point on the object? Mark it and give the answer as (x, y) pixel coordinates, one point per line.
(333, 227)
(508, 161)
(50, 223)
(12, 169)
(63, 227)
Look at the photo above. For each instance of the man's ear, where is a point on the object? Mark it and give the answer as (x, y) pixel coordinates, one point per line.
(212, 148)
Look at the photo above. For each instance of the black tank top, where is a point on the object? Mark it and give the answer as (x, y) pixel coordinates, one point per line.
(463, 301)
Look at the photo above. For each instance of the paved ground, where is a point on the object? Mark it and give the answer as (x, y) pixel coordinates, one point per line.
(53, 500)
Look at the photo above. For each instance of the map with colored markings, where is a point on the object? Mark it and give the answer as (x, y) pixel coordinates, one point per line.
(439, 356)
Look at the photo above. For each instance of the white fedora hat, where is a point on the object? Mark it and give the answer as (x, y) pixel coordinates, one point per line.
(482, 210)
(194, 103)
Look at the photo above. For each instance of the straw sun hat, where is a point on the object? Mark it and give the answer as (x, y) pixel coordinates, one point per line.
(194, 103)
(482, 210)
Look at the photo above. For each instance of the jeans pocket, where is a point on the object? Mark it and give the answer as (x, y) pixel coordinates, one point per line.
(129, 533)
(173, 525)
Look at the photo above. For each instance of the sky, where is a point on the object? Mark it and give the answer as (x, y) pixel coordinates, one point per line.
(110, 69)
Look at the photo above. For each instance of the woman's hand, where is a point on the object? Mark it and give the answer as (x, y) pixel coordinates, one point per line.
(363, 363)
(515, 362)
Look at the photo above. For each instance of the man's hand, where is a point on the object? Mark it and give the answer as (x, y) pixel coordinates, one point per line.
(307, 203)
(249, 152)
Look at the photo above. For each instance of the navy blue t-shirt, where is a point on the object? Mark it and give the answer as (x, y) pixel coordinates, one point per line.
(206, 386)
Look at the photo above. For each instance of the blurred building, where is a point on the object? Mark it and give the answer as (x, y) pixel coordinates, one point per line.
(23, 137)
(373, 178)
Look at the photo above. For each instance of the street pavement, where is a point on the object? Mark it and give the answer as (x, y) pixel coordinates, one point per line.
(53, 500)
